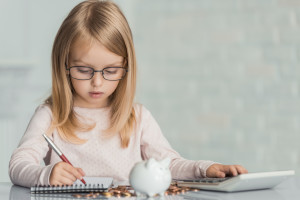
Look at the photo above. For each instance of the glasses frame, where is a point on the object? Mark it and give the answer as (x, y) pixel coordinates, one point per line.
(101, 71)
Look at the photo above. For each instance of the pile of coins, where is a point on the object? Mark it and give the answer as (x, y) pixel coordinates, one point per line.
(127, 191)
(175, 190)
(120, 191)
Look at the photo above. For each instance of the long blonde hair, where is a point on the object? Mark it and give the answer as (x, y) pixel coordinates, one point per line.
(101, 21)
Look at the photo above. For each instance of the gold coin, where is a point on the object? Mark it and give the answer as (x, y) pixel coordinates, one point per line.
(88, 195)
(122, 187)
(114, 191)
(172, 187)
(106, 194)
(125, 194)
(117, 192)
(77, 195)
(174, 190)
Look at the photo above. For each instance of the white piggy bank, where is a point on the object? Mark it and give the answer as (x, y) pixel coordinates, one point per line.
(151, 177)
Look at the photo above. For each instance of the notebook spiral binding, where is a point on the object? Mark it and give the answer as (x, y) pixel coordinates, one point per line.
(75, 188)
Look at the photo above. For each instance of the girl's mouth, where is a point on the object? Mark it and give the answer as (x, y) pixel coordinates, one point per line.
(96, 94)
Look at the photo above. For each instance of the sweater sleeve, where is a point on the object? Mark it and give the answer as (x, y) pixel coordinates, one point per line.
(25, 167)
(155, 145)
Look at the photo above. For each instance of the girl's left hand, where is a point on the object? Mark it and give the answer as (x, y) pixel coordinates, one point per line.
(221, 171)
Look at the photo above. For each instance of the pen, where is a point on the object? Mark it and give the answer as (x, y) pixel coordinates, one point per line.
(59, 153)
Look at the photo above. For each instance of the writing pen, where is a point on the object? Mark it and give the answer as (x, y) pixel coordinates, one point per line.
(59, 153)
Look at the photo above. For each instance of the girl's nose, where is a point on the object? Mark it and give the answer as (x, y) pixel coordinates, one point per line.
(97, 79)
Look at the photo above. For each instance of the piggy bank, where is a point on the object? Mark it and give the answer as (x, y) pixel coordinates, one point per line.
(151, 177)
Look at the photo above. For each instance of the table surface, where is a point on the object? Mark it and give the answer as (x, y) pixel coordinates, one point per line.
(289, 189)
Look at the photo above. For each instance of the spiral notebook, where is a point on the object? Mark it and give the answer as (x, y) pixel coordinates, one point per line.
(93, 184)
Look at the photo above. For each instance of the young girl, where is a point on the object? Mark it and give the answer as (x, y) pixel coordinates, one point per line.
(90, 114)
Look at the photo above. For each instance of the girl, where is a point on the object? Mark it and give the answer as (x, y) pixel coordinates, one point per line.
(90, 114)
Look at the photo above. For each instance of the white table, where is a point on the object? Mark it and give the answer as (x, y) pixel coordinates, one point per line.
(288, 190)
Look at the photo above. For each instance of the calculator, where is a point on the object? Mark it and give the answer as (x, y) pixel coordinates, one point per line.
(242, 182)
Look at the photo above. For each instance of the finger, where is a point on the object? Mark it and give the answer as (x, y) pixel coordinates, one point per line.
(241, 169)
(229, 170)
(68, 175)
(55, 183)
(56, 173)
(58, 182)
(220, 174)
(81, 171)
(66, 181)
(233, 170)
(66, 172)
(74, 172)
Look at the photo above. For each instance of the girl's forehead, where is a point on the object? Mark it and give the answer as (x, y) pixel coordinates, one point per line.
(93, 53)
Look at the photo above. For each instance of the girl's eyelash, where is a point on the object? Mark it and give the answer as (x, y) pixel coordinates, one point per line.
(112, 66)
(94, 68)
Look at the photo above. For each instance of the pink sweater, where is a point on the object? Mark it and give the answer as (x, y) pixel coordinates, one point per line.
(98, 156)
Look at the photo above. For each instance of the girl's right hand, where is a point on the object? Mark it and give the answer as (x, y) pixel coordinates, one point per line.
(65, 174)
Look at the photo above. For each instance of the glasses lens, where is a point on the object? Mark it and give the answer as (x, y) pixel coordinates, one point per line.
(113, 73)
(81, 72)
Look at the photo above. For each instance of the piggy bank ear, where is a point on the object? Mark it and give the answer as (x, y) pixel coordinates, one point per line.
(150, 163)
(165, 162)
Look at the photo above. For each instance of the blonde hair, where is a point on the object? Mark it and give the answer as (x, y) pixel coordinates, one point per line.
(101, 21)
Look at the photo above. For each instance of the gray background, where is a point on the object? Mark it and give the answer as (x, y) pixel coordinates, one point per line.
(221, 77)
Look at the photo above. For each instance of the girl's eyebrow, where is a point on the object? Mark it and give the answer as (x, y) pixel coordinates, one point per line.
(114, 63)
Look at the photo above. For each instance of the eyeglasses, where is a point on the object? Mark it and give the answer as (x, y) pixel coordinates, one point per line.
(87, 73)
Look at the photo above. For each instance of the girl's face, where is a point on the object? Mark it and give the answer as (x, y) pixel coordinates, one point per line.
(93, 93)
